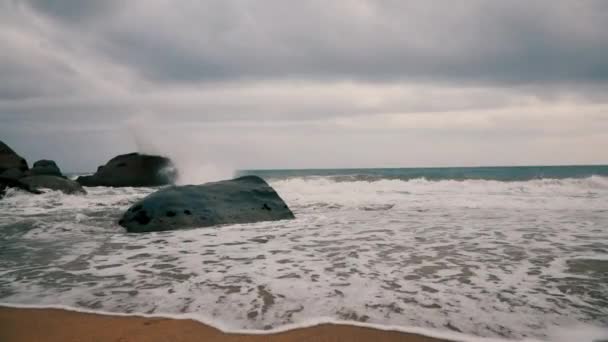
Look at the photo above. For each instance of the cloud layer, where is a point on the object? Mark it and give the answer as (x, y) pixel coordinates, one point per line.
(307, 84)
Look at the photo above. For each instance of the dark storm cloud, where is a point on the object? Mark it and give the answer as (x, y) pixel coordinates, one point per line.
(518, 42)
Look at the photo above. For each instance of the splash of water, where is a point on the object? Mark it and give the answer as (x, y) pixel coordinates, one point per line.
(189, 153)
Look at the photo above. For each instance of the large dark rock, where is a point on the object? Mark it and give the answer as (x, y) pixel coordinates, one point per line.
(45, 167)
(11, 160)
(241, 200)
(6, 183)
(13, 173)
(132, 169)
(62, 184)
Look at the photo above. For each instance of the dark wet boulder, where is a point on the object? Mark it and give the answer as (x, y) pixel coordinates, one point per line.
(45, 167)
(242, 200)
(13, 173)
(6, 183)
(132, 169)
(62, 184)
(9, 159)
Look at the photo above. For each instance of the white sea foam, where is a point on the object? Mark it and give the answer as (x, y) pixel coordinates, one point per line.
(486, 258)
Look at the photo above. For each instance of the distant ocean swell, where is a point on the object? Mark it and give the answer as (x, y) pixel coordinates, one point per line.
(513, 173)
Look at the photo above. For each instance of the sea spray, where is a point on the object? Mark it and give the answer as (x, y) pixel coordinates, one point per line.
(189, 152)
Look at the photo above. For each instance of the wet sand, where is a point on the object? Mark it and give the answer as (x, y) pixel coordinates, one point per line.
(52, 325)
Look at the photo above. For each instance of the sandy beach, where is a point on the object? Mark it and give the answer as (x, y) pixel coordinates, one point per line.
(52, 325)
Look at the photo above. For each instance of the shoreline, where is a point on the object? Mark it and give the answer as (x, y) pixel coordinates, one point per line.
(46, 324)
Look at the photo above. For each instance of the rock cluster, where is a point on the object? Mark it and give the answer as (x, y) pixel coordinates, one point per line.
(44, 174)
(241, 200)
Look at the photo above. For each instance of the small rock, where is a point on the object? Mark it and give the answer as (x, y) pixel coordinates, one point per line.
(45, 167)
(62, 184)
(6, 183)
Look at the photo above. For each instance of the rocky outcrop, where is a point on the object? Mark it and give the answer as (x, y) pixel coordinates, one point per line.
(45, 167)
(242, 200)
(132, 169)
(62, 184)
(11, 160)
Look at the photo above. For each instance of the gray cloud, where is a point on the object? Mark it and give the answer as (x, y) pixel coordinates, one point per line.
(74, 11)
(472, 41)
(259, 80)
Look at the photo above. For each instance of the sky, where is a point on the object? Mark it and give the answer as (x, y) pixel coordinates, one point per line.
(220, 84)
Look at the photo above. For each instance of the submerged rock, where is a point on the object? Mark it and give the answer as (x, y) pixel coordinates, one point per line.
(62, 184)
(45, 167)
(9, 159)
(242, 200)
(132, 169)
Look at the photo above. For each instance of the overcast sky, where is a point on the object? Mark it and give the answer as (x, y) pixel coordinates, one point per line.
(303, 84)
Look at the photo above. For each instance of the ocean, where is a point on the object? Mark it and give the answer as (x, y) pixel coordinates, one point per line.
(494, 252)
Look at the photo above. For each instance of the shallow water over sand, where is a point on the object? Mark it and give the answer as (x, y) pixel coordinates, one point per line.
(482, 257)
